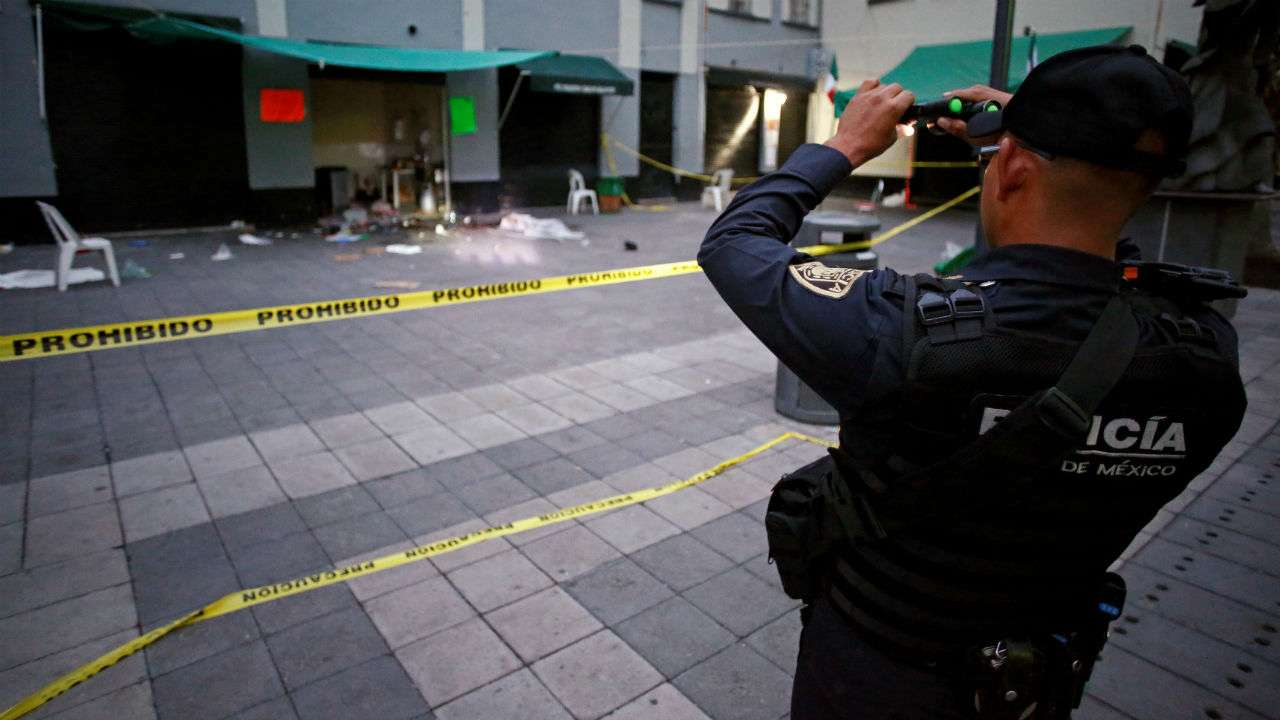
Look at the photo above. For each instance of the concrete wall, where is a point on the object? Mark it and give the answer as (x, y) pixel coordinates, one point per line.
(758, 44)
(660, 37)
(27, 166)
(386, 22)
(871, 39)
(572, 26)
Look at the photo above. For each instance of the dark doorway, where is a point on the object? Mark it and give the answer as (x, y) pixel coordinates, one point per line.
(145, 134)
(733, 126)
(733, 132)
(545, 136)
(657, 122)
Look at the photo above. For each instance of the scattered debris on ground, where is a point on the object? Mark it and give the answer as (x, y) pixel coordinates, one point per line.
(32, 279)
(404, 249)
(539, 228)
(629, 246)
(347, 257)
(133, 271)
(177, 256)
(248, 239)
(398, 284)
(222, 253)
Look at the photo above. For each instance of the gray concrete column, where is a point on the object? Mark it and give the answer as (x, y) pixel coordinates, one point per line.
(273, 18)
(691, 104)
(474, 157)
(473, 24)
(620, 115)
(26, 167)
(279, 154)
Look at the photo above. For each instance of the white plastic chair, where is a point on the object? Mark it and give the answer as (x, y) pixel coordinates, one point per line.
(718, 190)
(69, 241)
(577, 191)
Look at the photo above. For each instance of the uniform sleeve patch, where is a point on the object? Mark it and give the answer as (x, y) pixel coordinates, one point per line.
(832, 282)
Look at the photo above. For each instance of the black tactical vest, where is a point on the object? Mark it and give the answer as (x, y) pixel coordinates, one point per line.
(1018, 549)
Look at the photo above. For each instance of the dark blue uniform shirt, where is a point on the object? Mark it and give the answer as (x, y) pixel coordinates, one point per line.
(848, 348)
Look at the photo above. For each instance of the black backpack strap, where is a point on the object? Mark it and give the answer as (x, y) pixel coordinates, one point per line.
(947, 309)
(1053, 421)
(1044, 426)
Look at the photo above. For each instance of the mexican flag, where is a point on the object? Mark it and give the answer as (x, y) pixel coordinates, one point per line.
(829, 81)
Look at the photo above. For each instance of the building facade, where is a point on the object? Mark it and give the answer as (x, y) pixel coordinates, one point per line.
(127, 132)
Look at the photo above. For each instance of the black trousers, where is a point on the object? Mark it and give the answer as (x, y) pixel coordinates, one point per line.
(840, 677)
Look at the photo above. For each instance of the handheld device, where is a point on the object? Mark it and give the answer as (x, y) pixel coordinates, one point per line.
(952, 108)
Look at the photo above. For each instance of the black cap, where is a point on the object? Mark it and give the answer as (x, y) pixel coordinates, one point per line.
(1093, 103)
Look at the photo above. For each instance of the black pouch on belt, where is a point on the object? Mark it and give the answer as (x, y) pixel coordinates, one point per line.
(793, 523)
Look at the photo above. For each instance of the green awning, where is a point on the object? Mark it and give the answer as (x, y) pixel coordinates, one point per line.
(576, 75)
(368, 57)
(931, 70)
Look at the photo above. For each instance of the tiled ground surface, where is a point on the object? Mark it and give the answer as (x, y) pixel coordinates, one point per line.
(138, 485)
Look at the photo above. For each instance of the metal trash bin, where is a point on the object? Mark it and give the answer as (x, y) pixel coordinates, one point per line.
(791, 397)
(828, 227)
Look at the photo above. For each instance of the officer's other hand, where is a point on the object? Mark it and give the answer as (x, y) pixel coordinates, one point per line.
(973, 93)
(869, 123)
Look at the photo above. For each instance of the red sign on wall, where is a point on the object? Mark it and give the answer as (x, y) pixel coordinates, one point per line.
(280, 105)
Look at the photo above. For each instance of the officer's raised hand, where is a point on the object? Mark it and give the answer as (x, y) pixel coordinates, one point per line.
(973, 93)
(869, 123)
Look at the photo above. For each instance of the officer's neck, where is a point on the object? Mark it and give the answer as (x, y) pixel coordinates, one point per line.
(1084, 234)
(1105, 249)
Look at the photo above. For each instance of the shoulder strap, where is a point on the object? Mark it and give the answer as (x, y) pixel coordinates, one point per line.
(1053, 421)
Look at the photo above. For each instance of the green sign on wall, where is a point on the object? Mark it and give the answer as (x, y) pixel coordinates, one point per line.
(462, 115)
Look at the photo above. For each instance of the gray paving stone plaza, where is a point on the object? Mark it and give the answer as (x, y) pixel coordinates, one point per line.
(139, 484)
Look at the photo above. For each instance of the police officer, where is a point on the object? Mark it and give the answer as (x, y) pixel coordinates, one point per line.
(955, 560)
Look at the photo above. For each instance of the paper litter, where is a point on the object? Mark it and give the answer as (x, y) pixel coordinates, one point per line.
(134, 271)
(223, 253)
(31, 279)
(177, 256)
(404, 249)
(539, 228)
(896, 200)
(247, 239)
(951, 250)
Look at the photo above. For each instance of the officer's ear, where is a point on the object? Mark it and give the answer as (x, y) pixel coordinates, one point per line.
(1014, 166)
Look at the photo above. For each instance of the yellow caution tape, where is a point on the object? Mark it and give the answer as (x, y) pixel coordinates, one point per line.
(609, 139)
(65, 341)
(242, 599)
(613, 170)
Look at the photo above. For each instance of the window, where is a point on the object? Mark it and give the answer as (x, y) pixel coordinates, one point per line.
(799, 11)
(802, 12)
(758, 9)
